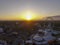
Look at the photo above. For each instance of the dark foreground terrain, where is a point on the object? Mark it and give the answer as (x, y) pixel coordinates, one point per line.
(13, 29)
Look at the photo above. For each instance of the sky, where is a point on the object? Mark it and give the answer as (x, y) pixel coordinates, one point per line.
(12, 9)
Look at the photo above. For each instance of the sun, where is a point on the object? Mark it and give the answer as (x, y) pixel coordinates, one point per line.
(28, 16)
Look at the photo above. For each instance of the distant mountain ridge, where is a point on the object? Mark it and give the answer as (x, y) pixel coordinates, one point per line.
(54, 17)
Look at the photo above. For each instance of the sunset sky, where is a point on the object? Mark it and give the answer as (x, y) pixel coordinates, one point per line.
(15, 9)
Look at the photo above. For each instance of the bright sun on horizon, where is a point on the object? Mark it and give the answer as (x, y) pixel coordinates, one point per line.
(28, 16)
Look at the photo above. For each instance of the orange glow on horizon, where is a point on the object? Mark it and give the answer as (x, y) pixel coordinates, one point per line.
(29, 15)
